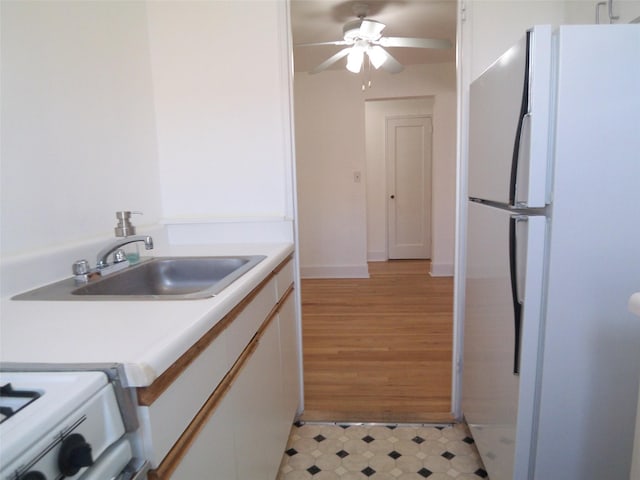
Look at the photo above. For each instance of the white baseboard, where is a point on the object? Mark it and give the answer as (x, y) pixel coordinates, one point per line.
(441, 270)
(377, 256)
(334, 271)
(437, 269)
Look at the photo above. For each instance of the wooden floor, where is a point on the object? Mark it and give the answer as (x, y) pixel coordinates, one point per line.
(378, 349)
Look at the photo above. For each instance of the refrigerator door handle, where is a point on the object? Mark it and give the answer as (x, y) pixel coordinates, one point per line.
(523, 121)
(517, 253)
(521, 192)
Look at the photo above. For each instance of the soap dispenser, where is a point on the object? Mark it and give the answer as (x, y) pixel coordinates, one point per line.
(125, 228)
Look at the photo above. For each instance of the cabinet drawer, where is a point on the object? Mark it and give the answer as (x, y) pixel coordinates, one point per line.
(284, 278)
(246, 324)
(172, 411)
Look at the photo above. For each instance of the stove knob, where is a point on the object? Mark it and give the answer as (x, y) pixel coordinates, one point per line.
(75, 453)
(33, 475)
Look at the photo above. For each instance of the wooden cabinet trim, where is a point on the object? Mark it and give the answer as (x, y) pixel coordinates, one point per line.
(179, 449)
(283, 264)
(274, 311)
(148, 395)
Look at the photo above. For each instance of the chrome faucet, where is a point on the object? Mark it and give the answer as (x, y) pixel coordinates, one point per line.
(103, 255)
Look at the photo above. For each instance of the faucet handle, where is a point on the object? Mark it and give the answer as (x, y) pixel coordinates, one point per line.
(81, 271)
(81, 267)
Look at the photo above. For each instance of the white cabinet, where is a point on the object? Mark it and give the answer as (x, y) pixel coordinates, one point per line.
(171, 412)
(257, 396)
(226, 408)
(212, 455)
(290, 356)
(246, 324)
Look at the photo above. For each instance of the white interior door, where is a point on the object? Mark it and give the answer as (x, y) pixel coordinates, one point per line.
(409, 186)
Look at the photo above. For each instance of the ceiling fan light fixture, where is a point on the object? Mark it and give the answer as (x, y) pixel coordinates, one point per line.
(377, 56)
(364, 36)
(356, 56)
(355, 59)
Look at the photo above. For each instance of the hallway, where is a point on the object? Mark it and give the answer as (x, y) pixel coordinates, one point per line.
(378, 349)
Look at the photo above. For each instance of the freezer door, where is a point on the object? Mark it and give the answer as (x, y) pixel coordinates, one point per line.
(509, 125)
(505, 254)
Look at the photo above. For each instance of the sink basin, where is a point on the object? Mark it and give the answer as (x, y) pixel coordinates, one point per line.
(160, 278)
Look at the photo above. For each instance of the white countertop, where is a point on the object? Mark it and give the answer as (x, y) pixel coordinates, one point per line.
(145, 336)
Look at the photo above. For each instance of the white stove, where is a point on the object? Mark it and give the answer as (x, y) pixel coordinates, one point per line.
(56, 425)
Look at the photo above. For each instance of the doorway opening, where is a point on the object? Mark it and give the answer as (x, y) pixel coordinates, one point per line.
(398, 161)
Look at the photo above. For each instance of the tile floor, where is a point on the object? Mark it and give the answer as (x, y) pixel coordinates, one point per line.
(380, 452)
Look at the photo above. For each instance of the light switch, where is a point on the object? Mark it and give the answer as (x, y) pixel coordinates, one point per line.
(356, 177)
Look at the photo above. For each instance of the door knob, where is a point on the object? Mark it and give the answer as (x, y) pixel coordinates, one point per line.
(392, 197)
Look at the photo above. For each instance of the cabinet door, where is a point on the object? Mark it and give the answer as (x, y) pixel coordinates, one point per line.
(257, 397)
(290, 360)
(212, 454)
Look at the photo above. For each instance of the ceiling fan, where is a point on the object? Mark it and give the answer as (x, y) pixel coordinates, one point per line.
(364, 37)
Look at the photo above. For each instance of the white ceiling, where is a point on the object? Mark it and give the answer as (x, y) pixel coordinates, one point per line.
(322, 21)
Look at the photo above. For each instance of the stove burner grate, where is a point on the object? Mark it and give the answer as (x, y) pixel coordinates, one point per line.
(12, 401)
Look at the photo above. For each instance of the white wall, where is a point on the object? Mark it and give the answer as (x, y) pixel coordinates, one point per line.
(492, 26)
(331, 146)
(329, 118)
(78, 129)
(583, 11)
(220, 78)
(84, 85)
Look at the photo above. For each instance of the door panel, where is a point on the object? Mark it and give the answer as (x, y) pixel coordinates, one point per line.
(409, 187)
(509, 125)
(490, 392)
(499, 405)
(494, 109)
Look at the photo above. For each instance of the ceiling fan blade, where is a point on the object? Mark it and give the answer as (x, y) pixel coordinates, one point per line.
(391, 65)
(414, 42)
(330, 61)
(337, 42)
(371, 29)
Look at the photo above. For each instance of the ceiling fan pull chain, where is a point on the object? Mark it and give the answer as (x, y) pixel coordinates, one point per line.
(368, 74)
(363, 74)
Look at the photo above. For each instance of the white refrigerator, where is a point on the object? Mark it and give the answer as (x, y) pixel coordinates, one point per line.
(551, 352)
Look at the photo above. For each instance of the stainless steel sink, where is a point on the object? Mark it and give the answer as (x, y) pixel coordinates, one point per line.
(159, 278)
